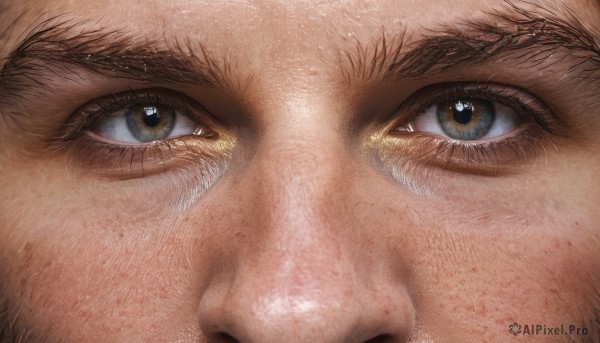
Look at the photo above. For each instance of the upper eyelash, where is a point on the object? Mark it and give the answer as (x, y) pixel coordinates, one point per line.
(540, 128)
(525, 104)
(113, 102)
(126, 161)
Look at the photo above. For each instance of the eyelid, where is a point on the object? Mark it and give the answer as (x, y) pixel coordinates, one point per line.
(205, 155)
(106, 105)
(524, 103)
(412, 155)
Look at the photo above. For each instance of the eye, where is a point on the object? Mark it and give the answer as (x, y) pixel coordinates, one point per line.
(144, 132)
(467, 119)
(145, 123)
(470, 127)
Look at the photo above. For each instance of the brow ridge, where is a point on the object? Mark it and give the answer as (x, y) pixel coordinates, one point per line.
(508, 34)
(61, 45)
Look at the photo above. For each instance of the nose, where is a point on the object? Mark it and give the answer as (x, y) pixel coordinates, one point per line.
(306, 272)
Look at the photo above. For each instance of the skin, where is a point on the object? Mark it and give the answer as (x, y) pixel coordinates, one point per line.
(302, 235)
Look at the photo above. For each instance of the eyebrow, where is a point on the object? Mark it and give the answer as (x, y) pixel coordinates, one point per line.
(508, 34)
(57, 45)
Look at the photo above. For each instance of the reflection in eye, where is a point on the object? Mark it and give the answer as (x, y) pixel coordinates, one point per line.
(470, 127)
(143, 132)
(467, 119)
(145, 123)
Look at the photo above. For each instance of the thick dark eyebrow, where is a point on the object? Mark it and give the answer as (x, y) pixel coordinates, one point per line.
(511, 34)
(64, 47)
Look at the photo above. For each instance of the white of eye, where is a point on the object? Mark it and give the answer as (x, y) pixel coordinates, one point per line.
(114, 127)
(505, 121)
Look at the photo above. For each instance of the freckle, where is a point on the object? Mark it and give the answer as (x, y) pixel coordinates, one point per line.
(473, 269)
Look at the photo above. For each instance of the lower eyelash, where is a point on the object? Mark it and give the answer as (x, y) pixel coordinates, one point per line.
(128, 160)
(133, 161)
(489, 158)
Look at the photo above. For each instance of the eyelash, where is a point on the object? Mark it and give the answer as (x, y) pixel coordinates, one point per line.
(130, 161)
(126, 161)
(487, 158)
(114, 102)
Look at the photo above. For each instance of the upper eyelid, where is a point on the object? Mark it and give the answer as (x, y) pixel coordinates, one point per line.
(84, 116)
(431, 95)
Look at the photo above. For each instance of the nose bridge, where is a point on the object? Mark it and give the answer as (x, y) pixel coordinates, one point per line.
(301, 277)
(300, 180)
(299, 189)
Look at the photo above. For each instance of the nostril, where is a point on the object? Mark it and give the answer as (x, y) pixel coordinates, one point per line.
(226, 338)
(384, 338)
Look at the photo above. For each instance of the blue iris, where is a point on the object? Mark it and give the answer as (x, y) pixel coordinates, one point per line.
(466, 119)
(150, 123)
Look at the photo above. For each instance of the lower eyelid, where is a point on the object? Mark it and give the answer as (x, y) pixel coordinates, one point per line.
(421, 151)
(116, 160)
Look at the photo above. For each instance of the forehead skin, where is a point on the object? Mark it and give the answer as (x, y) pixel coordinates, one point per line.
(302, 238)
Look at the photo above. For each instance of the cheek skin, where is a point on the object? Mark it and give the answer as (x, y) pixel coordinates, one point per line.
(126, 279)
(478, 282)
(84, 265)
(104, 288)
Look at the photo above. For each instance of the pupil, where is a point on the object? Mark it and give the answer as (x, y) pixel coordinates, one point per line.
(151, 116)
(463, 112)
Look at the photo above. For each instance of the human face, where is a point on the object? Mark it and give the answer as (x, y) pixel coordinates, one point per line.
(299, 171)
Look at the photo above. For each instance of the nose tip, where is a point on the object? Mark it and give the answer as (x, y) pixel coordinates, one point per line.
(299, 321)
(299, 308)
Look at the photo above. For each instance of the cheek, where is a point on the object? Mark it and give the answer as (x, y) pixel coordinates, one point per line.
(56, 281)
(102, 284)
(481, 283)
(95, 270)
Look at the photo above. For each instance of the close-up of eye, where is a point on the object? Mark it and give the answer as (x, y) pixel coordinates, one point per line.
(140, 132)
(473, 127)
(144, 116)
(145, 123)
(472, 112)
(467, 120)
